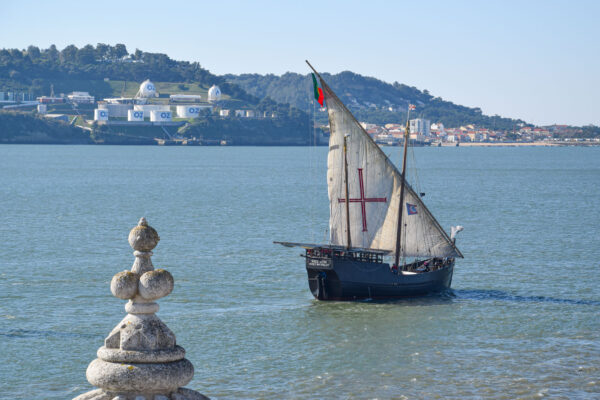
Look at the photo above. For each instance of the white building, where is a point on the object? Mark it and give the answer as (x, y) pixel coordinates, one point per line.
(420, 126)
(438, 129)
(437, 126)
(116, 110)
(81, 98)
(214, 94)
(160, 116)
(188, 111)
(135, 116)
(147, 89)
(100, 115)
(366, 126)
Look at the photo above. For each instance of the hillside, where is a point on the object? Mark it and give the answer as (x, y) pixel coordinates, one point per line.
(94, 69)
(110, 71)
(370, 99)
(27, 128)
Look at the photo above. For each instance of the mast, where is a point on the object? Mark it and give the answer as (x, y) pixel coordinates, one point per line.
(401, 204)
(349, 242)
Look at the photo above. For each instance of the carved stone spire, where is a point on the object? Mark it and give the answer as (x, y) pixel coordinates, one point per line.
(140, 359)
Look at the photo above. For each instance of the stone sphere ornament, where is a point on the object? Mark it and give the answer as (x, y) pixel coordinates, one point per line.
(140, 359)
(155, 284)
(124, 285)
(143, 237)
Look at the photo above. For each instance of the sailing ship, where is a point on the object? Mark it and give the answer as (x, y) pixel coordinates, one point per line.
(377, 221)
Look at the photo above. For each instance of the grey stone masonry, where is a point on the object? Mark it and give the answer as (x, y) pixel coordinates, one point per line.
(140, 359)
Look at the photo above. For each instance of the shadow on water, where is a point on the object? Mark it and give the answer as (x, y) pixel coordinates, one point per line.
(28, 333)
(452, 295)
(433, 299)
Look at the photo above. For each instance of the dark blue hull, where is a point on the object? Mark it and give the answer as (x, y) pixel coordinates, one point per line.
(347, 279)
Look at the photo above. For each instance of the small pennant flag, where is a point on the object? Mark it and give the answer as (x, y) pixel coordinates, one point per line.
(318, 91)
(411, 107)
(411, 209)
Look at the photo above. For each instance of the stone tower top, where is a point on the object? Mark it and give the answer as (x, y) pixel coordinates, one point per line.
(140, 359)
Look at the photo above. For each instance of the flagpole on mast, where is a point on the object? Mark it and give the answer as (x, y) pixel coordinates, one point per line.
(401, 203)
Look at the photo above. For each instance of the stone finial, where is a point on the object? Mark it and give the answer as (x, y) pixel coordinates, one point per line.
(140, 359)
(143, 237)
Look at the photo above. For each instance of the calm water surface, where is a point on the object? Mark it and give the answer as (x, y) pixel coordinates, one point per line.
(522, 320)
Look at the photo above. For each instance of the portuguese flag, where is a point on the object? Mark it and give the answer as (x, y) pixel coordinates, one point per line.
(318, 91)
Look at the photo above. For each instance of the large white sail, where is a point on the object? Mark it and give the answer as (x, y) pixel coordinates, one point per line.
(374, 191)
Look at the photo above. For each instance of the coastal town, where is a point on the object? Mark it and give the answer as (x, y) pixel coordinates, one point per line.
(425, 133)
(164, 113)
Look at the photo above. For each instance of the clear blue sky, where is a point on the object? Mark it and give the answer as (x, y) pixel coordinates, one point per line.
(535, 60)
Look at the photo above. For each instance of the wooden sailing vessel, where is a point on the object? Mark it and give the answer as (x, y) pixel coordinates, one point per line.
(377, 221)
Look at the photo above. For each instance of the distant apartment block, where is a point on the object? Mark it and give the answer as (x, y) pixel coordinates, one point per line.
(420, 126)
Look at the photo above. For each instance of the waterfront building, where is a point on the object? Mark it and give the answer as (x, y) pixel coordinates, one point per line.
(160, 116)
(190, 111)
(100, 115)
(420, 126)
(81, 98)
(50, 100)
(116, 110)
(437, 129)
(135, 116)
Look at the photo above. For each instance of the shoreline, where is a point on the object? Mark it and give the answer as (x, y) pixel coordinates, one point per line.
(523, 144)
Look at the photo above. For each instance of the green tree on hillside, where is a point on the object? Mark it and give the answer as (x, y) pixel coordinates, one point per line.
(102, 51)
(33, 53)
(86, 55)
(68, 54)
(120, 51)
(51, 54)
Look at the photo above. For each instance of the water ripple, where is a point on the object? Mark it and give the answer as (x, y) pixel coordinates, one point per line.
(29, 333)
(483, 294)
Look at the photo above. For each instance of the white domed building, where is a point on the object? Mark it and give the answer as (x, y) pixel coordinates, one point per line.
(147, 90)
(214, 94)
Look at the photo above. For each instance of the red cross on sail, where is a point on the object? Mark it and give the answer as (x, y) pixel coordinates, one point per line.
(363, 200)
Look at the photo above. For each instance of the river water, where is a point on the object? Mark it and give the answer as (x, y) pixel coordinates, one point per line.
(522, 320)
